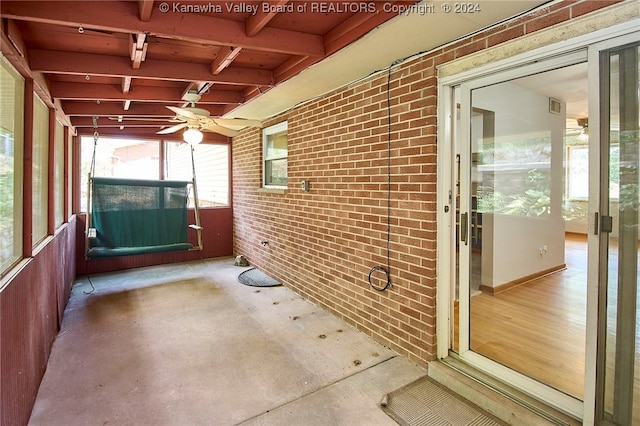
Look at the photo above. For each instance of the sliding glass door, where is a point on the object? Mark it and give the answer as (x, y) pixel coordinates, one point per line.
(521, 309)
(618, 223)
(542, 209)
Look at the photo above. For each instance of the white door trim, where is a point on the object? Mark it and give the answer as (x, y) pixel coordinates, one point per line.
(572, 50)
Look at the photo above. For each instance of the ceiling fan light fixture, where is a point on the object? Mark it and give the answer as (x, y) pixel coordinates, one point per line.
(584, 133)
(192, 136)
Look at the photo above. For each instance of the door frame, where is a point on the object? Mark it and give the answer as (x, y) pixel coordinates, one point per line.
(446, 240)
(532, 387)
(599, 202)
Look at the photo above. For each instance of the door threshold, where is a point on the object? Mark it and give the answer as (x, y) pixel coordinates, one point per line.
(496, 397)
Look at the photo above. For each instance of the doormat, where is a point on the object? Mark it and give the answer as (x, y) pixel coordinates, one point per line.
(256, 278)
(426, 403)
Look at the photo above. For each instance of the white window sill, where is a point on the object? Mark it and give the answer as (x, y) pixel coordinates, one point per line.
(268, 190)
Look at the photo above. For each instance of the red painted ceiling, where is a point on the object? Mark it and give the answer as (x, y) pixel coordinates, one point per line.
(100, 60)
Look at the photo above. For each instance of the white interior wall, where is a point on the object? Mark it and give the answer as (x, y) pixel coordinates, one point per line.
(512, 244)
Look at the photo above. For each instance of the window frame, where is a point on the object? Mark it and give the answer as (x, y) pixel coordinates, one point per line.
(58, 175)
(17, 224)
(268, 132)
(613, 194)
(202, 173)
(40, 171)
(163, 166)
(570, 160)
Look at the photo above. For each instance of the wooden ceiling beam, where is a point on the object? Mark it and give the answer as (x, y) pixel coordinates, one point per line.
(125, 130)
(62, 118)
(252, 92)
(91, 109)
(225, 56)
(221, 97)
(14, 35)
(194, 85)
(80, 108)
(110, 92)
(19, 61)
(49, 61)
(172, 24)
(150, 134)
(255, 23)
(291, 67)
(126, 85)
(9, 48)
(78, 121)
(138, 47)
(145, 7)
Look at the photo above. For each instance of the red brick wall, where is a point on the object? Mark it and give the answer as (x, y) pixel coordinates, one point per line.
(323, 243)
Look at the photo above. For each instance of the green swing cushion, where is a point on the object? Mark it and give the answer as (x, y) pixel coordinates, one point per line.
(133, 216)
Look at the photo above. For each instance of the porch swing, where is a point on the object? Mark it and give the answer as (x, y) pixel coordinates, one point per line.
(127, 217)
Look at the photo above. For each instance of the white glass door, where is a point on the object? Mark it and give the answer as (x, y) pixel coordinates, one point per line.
(521, 300)
(618, 226)
(543, 259)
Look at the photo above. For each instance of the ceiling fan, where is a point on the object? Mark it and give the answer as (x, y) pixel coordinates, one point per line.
(199, 119)
(581, 131)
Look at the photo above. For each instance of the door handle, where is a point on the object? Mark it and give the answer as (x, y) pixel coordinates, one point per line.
(606, 224)
(464, 228)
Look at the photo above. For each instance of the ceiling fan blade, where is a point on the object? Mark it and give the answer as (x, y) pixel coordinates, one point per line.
(183, 112)
(219, 129)
(172, 129)
(238, 122)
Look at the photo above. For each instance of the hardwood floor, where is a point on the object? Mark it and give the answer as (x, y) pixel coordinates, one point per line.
(538, 328)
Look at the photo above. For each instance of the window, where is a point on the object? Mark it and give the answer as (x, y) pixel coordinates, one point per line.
(124, 158)
(11, 146)
(212, 171)
(141, 159)
(58, 188)
(578, 172)
(70, 174)
(40, 187)
(274, 151)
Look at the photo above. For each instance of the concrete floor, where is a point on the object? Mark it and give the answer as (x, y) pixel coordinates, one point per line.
(188, 344)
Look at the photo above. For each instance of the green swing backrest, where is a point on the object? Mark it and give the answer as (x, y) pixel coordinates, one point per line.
(133, 216)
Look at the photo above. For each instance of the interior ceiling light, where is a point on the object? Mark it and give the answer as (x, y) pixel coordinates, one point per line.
(192, 136)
